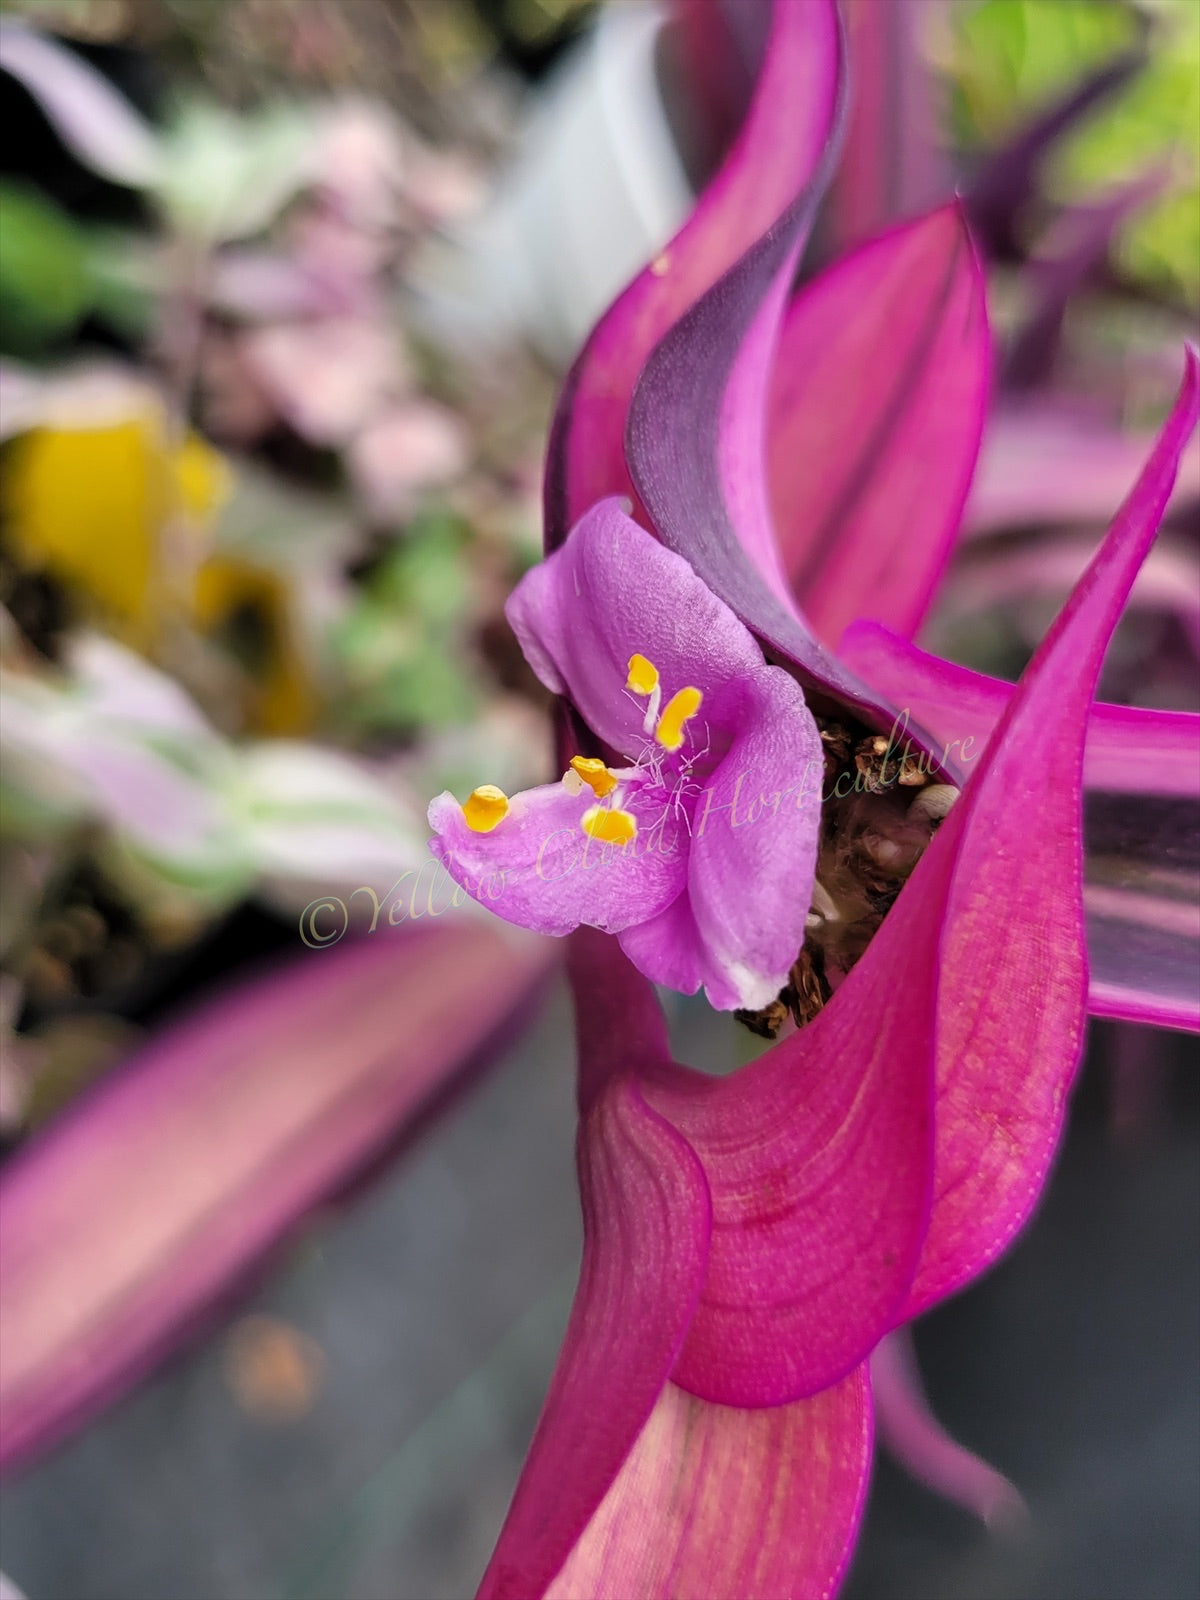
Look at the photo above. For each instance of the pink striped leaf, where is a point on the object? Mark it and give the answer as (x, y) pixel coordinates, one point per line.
(716, 1501)
(877, 408)
(819, 1159)
(776, 155)
(1012, 999)
(646, 1227)
(151, 1196)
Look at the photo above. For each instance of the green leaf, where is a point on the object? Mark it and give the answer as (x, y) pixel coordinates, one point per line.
(45, 284)
(1015, 55)
(1012, 56)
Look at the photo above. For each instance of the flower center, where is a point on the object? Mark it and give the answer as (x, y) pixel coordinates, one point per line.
(607, 821)
(873, 832)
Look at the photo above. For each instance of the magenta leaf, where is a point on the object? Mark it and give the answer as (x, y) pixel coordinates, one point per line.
(877, 408)
(909, 1430)
(819, 1158)
(646, 1490)
(1129, 749)
(646, 1229)
(158, 1191)
(1013, 987)
(1045, 463)
(1142, 831)
(894, 164)
(718, 1501)
(779, 149)
(696, 442)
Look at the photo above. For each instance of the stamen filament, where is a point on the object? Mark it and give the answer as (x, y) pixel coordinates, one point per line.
(643, 680)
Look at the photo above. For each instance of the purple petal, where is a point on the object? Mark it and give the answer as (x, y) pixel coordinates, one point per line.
(716, 1501)
(751, 856)
(1013, 989)
(539, 869)
(1142, 775)
(135, 1211)
(780, 146)
(95, 122)
(669, 949)
(910, 1432)
(877, 410)
(646, 1226)
(611, 592)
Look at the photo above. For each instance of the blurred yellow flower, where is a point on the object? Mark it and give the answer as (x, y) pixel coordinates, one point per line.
(126, 518)
(249, 609)
(115, 511)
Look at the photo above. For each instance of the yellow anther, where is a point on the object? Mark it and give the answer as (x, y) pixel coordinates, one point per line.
(595, 774)
(484, 808)
(680, 707)
(610, 826)
(643, 675)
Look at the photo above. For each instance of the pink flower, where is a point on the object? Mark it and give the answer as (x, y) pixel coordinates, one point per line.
(655, 851)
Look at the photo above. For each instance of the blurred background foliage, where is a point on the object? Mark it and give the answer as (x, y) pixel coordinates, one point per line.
(1006, 58)
(245, 496)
